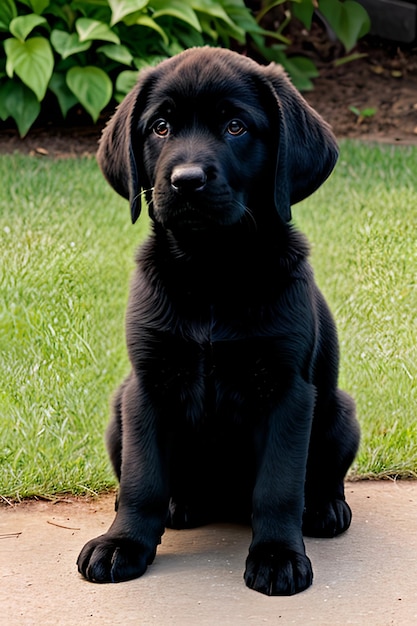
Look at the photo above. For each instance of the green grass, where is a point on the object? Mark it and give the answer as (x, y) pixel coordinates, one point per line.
(363, 227)
(67, 250)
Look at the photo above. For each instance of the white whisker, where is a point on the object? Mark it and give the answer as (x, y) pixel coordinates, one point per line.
(142, 193)
(248, 215)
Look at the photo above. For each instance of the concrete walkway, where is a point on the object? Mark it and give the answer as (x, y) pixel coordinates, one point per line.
(367, 576)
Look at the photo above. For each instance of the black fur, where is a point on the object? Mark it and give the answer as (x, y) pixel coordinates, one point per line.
(231, 410)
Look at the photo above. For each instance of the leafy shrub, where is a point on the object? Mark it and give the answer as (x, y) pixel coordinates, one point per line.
(90, 51)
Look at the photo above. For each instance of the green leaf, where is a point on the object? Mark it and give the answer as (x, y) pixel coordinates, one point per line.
(92, 87)
(121, 8)
(66, 13)
(64, 95)
(212, 9)
(32, 61)
(303, 11)
(116, 53)
(369, 112)
(8, 12)
(216, 31)
(177, 9)
(89, 29)
(275, 53)
(215, 26)
(257, 30)
(4, 111)
(362, 113)
(20, 103)
(349, 20)
(240, 15)
(21, 26)
(149, 61)
(271, 5)
(359, 18)
(185, 38)
(148, 22)
(242, 23)
(37, 6)
(67, 44)
(301, 70)
(355, 110)
(126, 81)
(348, 59)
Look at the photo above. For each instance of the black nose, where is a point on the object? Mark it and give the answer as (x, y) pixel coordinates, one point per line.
(188, 178)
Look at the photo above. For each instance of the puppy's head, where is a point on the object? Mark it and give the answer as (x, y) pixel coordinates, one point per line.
(208, 135)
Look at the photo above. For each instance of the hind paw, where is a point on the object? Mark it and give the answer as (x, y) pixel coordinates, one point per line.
(327, 520)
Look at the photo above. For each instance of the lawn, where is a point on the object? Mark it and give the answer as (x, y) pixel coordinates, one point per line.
(67, 250)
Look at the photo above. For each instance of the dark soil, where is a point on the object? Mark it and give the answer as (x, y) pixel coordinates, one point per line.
(384, 79)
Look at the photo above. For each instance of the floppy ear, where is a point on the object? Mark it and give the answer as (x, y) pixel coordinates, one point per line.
(119, 162)
(307, 148)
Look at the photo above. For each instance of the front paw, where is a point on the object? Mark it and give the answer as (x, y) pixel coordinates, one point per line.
(108, 559)
(327, 520)
(277, 571)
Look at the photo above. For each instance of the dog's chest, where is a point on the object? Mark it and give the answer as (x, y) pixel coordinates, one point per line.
(225, 364)
(231, 322)
(233, 378)
(213, 345)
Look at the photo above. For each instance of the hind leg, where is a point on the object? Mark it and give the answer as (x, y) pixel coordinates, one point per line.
(333, 445)
(114, 434)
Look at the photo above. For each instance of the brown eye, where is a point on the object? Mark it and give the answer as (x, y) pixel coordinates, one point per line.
(235, 128)
(161, 128)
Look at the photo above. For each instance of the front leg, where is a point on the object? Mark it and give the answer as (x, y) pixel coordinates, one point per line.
(129, 545)
(277, 563)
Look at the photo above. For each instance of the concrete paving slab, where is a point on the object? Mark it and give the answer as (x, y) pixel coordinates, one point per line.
(367, 576)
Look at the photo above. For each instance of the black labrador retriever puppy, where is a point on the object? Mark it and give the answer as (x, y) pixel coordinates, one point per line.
(231, 410)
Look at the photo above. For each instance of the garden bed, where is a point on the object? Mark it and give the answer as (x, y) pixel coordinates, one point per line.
(382, 83)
